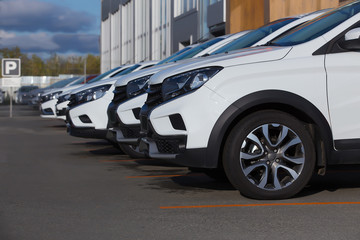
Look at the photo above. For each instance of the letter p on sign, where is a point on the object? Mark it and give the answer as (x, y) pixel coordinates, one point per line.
(11, 67)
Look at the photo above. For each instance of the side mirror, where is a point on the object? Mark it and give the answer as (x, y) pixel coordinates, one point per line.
(352, 40)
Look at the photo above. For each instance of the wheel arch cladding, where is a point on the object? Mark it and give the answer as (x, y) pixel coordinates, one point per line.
(276, 100)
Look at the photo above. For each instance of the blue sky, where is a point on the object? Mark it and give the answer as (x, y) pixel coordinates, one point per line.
(43, 27)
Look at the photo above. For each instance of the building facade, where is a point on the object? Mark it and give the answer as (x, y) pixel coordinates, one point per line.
(140, 30)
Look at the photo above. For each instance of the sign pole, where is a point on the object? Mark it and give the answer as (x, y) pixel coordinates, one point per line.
(11, 71)
(11, 100)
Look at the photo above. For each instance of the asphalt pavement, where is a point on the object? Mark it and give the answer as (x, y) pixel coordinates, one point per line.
(54, 186)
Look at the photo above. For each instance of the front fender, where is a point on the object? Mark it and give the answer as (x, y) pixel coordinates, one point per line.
(267, 99)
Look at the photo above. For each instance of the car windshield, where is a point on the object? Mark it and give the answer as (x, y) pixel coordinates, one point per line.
(174, 55)
(79, 81)
(28, 88)
(192, 52)
(62, 83)
(254, 36)
(127, 70)
(101, 76)
(318, 26)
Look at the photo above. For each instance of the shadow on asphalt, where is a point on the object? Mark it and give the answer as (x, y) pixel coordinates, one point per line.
(337, 177)
(108, 150)
(59, 126)
(87, 142)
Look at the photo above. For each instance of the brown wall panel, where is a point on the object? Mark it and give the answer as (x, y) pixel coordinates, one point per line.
(286, 8)
(251, 14)
(245, 14)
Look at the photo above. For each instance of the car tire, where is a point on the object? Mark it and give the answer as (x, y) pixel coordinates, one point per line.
(269, 155)
(131, 150)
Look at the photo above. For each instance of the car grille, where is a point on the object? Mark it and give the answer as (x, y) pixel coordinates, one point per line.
(131, 132)
(168, 146)
(72, 100)
(154, 95)
(154, 98)
(143, 123)
(43, 99)
(61, 112)
(119, 94)
(61, 99)
(112, 115)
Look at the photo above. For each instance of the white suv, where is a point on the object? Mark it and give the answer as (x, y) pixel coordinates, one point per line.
(270, 115)
(130, 94)
(86, 112)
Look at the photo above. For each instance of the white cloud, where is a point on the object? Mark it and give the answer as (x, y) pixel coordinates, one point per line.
(5, 35)
(44, 42)
(30, 42)
(35, 15)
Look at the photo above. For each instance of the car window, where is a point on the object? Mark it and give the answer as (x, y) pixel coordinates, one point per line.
(101, 76)
(318, 26)
(196, 50)
(173, 56)
(254, 36)
(80, 81)
(62, 83)
(28, 89)
(128, 70)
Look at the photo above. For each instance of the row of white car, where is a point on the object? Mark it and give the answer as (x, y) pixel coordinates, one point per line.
(267, 107)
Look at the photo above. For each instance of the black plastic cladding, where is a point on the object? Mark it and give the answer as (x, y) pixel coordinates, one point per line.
(119, 94)
(154, 97)
(251, 102)
(72, 100)
(177, 122)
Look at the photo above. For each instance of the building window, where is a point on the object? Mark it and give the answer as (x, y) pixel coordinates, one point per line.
(183, 6)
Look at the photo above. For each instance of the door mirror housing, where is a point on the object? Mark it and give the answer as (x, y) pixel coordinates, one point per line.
(351, 40)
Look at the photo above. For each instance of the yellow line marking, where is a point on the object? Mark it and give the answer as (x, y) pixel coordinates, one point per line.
(165, 176)
(262, 205)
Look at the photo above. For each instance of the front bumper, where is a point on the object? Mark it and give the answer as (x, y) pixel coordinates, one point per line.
(124, 119)
(47, 109)
(185, 157)
(172, 148)
(90, 114)
(83, 132)
(61, 110)
(179, 130)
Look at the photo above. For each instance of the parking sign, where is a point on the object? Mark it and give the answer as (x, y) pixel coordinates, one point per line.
(11, 67)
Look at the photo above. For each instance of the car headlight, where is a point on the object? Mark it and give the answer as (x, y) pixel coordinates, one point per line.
(137, 86)
(64, 98)
(50, 96)
(186, 82)
(55, 95)
(91, 94)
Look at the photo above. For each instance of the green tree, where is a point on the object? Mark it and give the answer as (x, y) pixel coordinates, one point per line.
(38, 66)
(92, 64)
(53, 66)
(16, 53)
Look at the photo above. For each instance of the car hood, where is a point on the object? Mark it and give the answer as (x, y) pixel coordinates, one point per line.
(244, 56)
(107, 81)
(63, 90)
(35, 91)
(123, 80)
